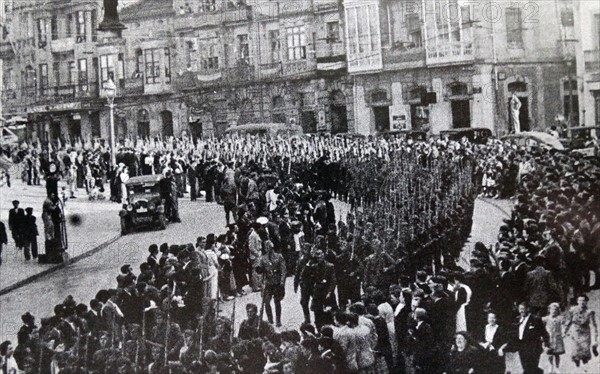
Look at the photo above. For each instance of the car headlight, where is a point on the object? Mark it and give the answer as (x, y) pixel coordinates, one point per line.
(129, 208)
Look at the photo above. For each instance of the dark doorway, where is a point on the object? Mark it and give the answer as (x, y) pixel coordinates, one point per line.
(339, 113)
(196, 130)
(54, 132)
(339, 119)
(120, 128)
(96, 128)
(143, 124)
(74, 129)
(523, 115)
(167, 123)
(382, 118)
(309, 122)
(461, 113)
(279, 110)
(220, 128)
(567, 106)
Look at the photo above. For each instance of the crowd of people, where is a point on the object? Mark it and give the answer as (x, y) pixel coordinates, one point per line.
(381, 289)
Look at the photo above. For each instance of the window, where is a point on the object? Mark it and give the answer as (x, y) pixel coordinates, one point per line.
(81, 27)
(69, 25)
(72, 73)
(54, 27)
(30, 80)
(152, 57)
(244, 47)
(275, 45)
(83, 75)
(414, 31)
(333, 32)
(514, 30)
(596, 31)
(107, 68)
(208, 6)
(167, 65)
(42, 32)
(94, 20)
(56, 74)
(43, 79)
(140, 63)
(296, 40)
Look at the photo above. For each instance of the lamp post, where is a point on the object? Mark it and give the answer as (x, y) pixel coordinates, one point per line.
(110, 92)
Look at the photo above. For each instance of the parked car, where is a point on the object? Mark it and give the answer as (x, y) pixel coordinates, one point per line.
(145, 206)
(535, 138)
(415, 135)
(477, 135)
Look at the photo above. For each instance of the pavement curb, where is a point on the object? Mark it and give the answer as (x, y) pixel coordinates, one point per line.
(57, 267)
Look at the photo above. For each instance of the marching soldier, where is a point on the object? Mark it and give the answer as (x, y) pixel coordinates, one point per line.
(301, 279)
(320, 276)
(349, 271)
(379, 268)
(272, 266)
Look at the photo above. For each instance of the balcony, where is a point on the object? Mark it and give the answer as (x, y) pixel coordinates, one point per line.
(209, 75)
(61, 98)
(328, 50)
(364, 62)
(404, 56)
(243, 71)
(299, 67)
(214, 18)
(271, 70)
(592, 60)
(132, 86)
(62, 45)
(185, 81)
(450, 53)
(6, 50)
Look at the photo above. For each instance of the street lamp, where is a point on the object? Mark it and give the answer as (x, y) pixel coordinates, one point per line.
(110, 92)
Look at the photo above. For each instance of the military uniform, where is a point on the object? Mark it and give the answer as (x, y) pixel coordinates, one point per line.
(272, 266)
(349, 272)
(320, 276)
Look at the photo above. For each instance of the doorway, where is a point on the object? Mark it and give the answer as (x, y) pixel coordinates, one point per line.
(54, 132)
(461, 113)
(309, 122)
(382, 118)
(196, 130)
(523, 114)
(339, 113)
(74, 129)
(167, 123)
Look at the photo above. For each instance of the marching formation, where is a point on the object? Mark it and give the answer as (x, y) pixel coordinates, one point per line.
(382, 289)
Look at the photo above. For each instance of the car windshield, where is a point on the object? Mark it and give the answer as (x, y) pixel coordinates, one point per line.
(144, 189)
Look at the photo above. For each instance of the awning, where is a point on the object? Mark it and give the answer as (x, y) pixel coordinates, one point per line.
(209, 77)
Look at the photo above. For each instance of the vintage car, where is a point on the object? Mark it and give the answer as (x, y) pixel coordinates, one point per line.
(535, 139)
(477, 135)
(144, 207)
(414, 135)
(583, 139)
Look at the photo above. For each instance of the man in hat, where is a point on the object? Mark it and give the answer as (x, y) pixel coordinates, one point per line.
(16, 224)
(30, 235)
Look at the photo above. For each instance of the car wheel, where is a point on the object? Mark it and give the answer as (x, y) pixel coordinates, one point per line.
(124, 226)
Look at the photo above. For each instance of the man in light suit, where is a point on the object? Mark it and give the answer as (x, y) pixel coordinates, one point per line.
(527, 339)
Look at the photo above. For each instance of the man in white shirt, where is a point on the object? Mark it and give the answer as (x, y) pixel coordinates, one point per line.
(8, 364)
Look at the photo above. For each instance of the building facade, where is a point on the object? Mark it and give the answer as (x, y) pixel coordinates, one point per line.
(588, 60)
(48, 51)
(440, 64)
(365, 66)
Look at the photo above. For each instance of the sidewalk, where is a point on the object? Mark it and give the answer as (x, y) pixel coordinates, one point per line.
(99, 226)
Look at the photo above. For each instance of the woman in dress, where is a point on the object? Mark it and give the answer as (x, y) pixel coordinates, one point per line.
(554, 324)
(585, 331)
(463, 357)
(213, 267)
